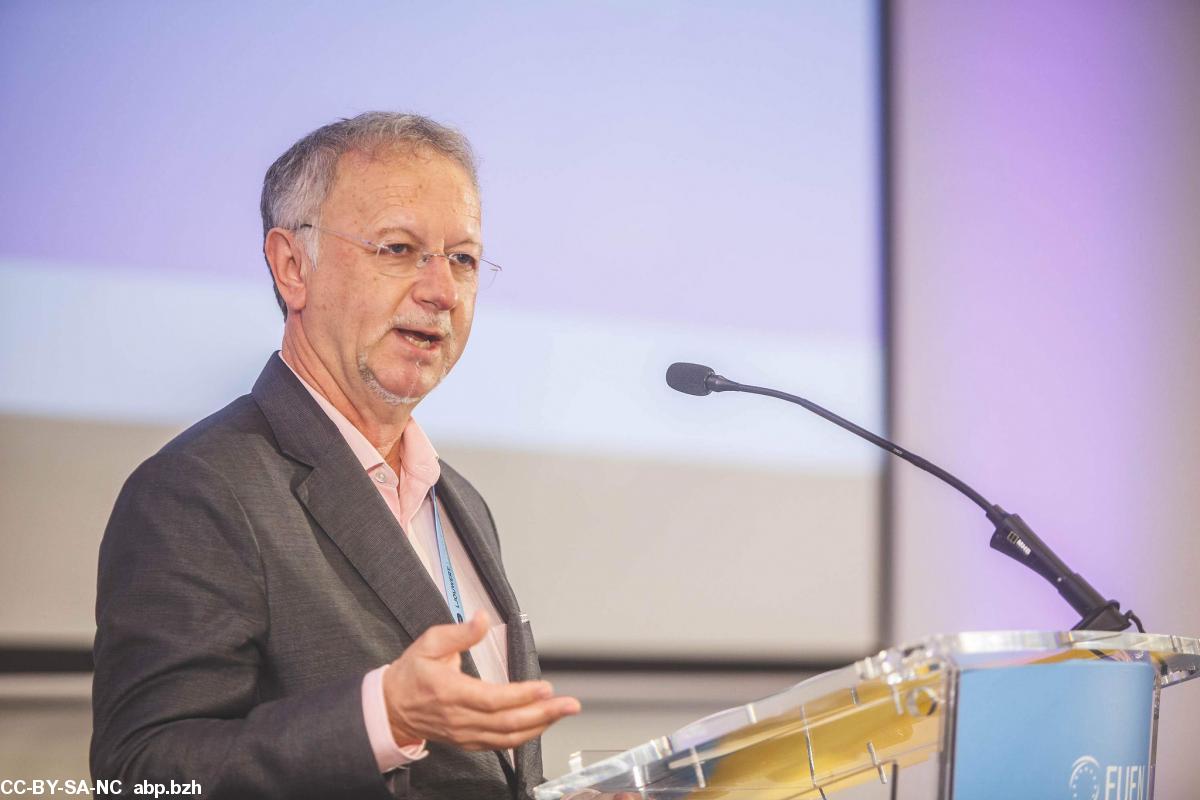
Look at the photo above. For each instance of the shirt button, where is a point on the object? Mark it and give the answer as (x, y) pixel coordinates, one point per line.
(379, 476)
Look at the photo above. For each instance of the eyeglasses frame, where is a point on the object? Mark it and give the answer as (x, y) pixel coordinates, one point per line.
(381, 248)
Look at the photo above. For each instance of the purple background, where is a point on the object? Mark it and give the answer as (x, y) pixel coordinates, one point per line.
(672, 161)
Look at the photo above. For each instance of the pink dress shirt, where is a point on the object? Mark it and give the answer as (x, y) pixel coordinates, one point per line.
(407, 496)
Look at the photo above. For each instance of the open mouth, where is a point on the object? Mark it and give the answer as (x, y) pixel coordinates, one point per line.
(420, 339)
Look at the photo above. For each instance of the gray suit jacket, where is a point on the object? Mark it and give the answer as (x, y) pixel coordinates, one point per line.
(250, 575)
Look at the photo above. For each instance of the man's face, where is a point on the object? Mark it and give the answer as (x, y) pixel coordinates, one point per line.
(385, 337)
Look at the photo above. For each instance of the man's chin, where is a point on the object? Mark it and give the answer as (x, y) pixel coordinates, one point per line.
(399, 388)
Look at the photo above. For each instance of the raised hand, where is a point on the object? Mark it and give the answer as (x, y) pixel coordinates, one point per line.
(429, 697)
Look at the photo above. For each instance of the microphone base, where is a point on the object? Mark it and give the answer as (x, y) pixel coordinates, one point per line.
(1107, 617)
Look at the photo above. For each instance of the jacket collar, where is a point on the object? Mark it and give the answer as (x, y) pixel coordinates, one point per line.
(341, 498)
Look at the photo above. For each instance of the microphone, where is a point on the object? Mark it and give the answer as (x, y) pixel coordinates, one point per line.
(696, 379)
(1012, 535)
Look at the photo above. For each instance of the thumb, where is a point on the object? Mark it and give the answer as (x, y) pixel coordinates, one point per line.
(444, 640)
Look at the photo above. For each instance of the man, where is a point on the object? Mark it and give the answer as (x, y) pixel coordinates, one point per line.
(281, 587)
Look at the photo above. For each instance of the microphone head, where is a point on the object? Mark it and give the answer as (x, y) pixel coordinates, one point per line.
(689, 378)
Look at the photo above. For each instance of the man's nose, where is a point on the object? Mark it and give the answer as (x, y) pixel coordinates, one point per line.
(435, 284)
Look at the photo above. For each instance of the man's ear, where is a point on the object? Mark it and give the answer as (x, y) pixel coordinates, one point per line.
(285, 254)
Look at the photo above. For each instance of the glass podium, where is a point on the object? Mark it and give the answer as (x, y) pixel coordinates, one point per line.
(971, 716)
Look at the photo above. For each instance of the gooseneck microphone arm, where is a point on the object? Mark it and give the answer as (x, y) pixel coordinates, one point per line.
(1012, 536)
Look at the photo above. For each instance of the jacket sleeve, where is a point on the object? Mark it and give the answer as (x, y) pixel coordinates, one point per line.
(181, 615)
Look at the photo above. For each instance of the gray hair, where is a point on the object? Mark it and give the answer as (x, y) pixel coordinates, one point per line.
(296, 185)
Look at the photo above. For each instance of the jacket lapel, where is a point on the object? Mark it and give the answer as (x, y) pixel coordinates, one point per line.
(474, 528)
(341, 498)
(472, 531)
(351, 512)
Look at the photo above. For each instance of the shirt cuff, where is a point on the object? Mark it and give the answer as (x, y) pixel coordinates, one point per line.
(388, 754)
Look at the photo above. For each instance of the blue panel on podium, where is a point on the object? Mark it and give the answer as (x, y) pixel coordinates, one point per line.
(1076, 729)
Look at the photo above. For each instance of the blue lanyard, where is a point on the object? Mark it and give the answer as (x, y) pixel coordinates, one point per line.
(453, 597)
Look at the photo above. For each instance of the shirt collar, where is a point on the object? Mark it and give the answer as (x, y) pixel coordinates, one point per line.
(418, 459)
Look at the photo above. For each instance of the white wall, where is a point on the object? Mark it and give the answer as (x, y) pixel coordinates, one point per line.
(1047, 342)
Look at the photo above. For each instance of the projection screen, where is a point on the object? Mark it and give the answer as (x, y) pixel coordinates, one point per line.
(661, 182)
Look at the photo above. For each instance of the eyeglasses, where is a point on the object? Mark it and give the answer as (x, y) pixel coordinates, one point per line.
(402, 259)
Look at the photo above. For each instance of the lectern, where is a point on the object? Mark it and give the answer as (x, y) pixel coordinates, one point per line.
(972, 716)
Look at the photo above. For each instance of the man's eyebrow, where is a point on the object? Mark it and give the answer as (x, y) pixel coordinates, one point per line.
(390, 229)
(395, 229)
(468, 240)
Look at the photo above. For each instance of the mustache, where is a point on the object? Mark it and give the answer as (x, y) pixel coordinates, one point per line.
(423, 322)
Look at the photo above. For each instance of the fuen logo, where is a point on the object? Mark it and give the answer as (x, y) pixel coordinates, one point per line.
(1090, 781)
(1085, 779)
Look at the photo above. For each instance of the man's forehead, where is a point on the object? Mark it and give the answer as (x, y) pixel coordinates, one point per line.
(404, 188)
(405, 169)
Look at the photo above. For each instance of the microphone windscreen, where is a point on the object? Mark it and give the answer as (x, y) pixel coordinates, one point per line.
(689, 378)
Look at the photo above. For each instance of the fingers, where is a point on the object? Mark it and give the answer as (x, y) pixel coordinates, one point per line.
(474, 695)
(514, 720)
(502, 741)
(483, 716)
(500, 730)
(440, 641)
(481, 696)
(428, 697)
